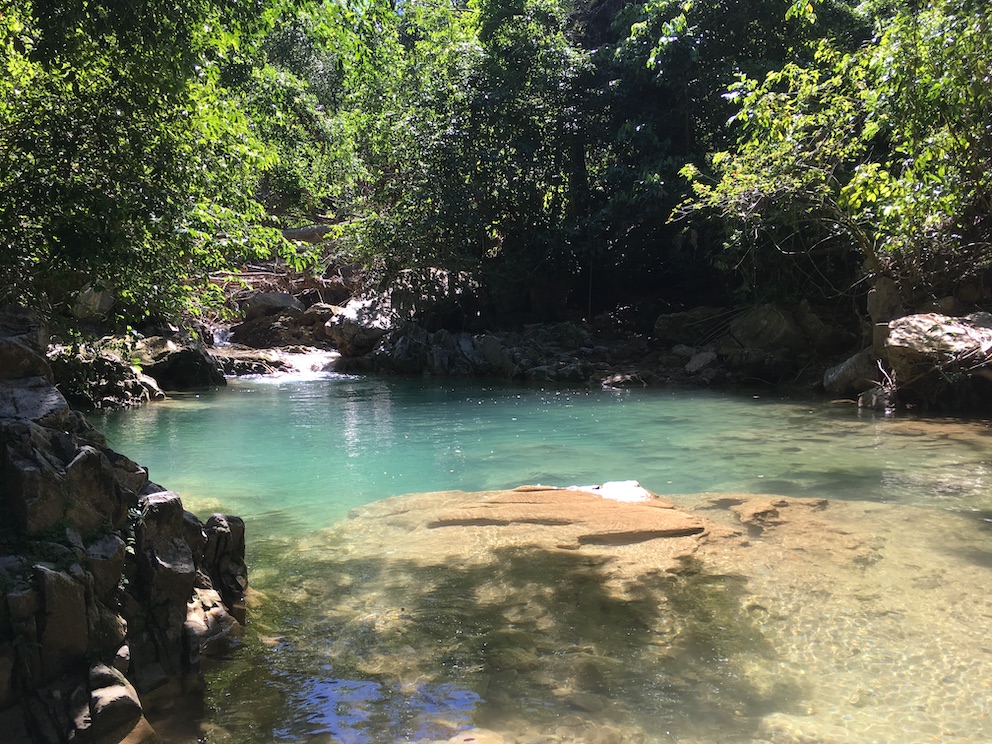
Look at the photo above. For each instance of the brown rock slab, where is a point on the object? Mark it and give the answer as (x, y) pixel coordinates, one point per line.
(585, 517)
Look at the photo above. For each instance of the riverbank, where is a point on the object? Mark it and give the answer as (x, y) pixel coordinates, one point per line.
(112, 591)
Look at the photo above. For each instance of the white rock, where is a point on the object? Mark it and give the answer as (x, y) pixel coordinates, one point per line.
(618, 491)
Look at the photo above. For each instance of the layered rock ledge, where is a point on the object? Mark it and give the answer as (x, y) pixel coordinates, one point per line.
(112, 591)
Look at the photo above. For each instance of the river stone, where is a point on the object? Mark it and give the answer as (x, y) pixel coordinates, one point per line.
(122, 659)
(17, 359)
(105, 560)
(164, 557)
(23, 341)
(34, 482)
(270, 303)
(129, 475)
(114, 705)
(102, 675)
(497, 356)
(33, 399)
(700, 361)
(224, 560)
(852, 376)
(185, 369)
(936, 357)
(359, 325)
(25, 325)
(93, 500)
(92, 303)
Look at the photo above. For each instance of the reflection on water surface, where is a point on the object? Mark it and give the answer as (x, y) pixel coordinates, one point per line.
(357, 641)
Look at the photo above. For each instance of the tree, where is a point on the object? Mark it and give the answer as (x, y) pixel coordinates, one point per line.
(885, 150)
(122, 164)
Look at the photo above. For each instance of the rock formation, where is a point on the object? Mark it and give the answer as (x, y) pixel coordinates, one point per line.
(111, 590)
(940, 359)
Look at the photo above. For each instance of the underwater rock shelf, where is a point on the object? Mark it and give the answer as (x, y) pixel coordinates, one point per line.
(556, 615)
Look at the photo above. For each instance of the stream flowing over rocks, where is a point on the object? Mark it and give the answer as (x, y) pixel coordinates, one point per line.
(112, 592)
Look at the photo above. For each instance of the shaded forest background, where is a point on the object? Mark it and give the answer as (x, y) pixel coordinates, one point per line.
(629, 157)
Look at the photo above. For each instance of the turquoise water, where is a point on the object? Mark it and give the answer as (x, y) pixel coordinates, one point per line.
(300, 454)
(352, 646)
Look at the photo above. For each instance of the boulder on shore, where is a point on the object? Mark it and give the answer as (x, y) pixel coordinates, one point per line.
(853, 376)
(941, 360)
(357, 327)
(178, 366)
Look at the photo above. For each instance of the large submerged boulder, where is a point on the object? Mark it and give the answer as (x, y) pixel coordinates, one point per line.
(89, 627)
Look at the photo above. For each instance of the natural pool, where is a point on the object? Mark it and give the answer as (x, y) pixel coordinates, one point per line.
(352, 646)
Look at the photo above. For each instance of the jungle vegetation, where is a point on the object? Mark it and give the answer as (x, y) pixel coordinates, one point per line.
(657, 153)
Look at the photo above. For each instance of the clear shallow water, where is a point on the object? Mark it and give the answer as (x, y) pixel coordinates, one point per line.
(350, 647)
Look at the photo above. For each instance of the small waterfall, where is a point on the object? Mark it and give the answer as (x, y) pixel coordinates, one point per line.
(308, 363)
(222, 336)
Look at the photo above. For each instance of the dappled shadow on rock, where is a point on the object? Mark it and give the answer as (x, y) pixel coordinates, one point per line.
(391, 627)
(780, 620)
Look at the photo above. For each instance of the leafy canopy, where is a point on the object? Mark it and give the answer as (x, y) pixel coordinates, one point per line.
(885, 149)
(123, 164)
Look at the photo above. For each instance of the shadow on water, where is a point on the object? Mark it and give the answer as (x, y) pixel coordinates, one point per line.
(375, 650)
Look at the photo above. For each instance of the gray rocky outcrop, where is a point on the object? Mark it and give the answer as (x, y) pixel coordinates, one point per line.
(177, 365)
(853, 376)
(289, 325)
(91, 377)
(941, 360)
(271, 319)
(111, 590)
(354, 324)
(564, 352)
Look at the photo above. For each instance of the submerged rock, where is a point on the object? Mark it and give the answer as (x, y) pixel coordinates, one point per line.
(578, 516)
(789, 617)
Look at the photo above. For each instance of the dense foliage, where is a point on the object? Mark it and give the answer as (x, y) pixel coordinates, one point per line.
(123, 164)
(883, 151)
(600, 152)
